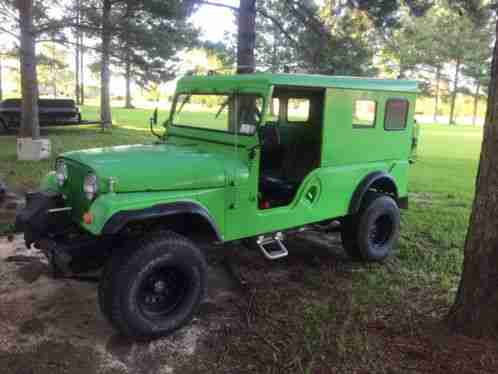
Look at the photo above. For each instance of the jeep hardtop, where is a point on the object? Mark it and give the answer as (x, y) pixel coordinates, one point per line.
(257, 157)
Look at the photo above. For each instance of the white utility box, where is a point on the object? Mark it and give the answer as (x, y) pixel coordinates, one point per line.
(29, 149)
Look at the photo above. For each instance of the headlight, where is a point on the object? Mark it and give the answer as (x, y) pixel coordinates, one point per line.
(61, 172)
(90, 186)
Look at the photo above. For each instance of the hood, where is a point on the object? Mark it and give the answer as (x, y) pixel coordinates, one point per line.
(159, 167)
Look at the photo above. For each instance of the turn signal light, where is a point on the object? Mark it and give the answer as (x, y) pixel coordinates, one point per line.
(87, 218)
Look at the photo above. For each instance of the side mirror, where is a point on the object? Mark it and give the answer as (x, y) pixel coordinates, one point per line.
(153, 119)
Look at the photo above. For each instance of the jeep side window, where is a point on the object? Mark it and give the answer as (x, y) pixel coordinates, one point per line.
(364, 112)
(396, 114)
(298, 110)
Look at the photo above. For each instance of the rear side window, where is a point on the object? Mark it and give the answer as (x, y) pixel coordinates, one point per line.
(364, 113)
(396, 114)
(298, 110)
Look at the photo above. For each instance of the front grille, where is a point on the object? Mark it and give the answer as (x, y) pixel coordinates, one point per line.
(73, 188)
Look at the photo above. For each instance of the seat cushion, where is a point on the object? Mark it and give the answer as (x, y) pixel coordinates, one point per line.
(277, 190)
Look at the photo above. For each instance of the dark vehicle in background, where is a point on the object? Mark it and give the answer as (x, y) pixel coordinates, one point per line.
(52, 112)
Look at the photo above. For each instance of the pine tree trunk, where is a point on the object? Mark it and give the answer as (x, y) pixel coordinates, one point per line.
(454, 93)
(105, 74)
(77, 73)
(246, 37)
(53, 70)
(476, 102)
(474, 312)
(1, 85)
(29, 83)
(128, 101)
(77, 56)
(82, 70)
(436, 103)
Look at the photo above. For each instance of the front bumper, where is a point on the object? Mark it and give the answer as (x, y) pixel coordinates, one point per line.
(44, 216)
(47, 224)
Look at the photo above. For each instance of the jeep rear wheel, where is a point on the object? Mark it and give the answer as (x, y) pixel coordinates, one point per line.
(154, 288)
(371, 234)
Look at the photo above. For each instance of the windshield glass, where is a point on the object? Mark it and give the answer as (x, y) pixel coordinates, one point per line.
(234, 113)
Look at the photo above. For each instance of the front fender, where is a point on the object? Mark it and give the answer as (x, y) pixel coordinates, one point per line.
(111, 212)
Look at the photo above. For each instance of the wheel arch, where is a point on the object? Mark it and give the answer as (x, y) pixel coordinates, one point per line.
(379, 181)
(178, 216)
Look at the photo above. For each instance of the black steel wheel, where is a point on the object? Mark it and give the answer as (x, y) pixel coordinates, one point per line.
(153, 287)
(162, 291)
(371, 234)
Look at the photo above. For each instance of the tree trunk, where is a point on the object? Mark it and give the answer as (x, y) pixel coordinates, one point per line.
(474, 312)
(476, 102)
(274, 52)
(436, 98)
(29, 84)
(82, 71)
(1, 86)
(401, 69)
(77, 56)
(53, 71)
(77, 72)
(454, 93)
(246, 37)
(128, 103)
(105, 74)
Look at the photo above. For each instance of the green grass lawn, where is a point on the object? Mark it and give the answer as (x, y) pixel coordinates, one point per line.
(441, 183)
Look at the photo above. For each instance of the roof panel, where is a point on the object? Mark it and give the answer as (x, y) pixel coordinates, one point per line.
(306, 80)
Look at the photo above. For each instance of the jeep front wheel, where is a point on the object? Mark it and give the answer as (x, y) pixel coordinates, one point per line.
(371, 234)
(154, 288)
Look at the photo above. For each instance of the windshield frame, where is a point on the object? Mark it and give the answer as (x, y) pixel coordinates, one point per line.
(177, 102)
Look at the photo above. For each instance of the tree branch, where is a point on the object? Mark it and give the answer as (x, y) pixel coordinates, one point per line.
(307, 50)
(308, 19)
(9, 32)
(63, 24)
(6, 10)
(278, 24)
(232, 8)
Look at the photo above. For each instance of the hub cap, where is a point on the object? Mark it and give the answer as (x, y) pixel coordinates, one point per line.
(162, 291)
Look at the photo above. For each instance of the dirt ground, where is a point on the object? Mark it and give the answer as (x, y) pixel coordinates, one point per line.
(54, 326)
(303, 314)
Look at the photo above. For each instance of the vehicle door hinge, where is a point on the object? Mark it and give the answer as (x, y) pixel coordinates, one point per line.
(232, 195)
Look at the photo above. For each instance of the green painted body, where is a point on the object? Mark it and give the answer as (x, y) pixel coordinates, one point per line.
(216, 171)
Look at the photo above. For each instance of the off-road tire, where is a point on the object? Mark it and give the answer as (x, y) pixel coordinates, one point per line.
(128, 272)
(371, 234)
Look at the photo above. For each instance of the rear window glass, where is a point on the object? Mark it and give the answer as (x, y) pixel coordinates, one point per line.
(364, 113)
(396, 114)
(298, 110)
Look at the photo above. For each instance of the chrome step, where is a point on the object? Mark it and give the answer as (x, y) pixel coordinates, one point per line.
(265, 241)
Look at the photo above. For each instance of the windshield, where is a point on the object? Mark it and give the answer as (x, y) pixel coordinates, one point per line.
(236, 113)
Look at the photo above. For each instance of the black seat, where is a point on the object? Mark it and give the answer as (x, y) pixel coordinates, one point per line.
(276, 190)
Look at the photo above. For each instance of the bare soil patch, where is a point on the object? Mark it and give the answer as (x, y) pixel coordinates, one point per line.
(308, 313)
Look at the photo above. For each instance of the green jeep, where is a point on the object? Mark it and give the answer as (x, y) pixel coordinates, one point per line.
(257, 157)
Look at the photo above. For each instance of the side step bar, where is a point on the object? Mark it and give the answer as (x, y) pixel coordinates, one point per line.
(264, 244)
